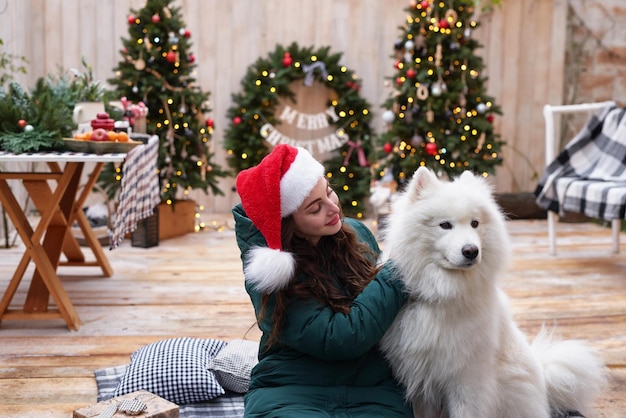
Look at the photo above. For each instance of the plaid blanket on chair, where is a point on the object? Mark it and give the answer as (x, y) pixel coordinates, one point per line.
(589, 175)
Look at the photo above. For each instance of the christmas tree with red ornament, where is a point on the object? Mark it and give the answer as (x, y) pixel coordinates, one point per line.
(439, 114)
(156, 69)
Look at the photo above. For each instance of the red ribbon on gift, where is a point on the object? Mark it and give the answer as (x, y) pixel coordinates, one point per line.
(360, 153)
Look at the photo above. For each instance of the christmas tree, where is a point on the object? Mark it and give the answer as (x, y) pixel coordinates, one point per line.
(439, 114)
(156, 70)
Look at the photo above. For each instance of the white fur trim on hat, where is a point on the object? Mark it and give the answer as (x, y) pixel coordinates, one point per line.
(269, 270)
(298, 181)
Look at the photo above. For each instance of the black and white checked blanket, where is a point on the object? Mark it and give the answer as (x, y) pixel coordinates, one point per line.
(140, 191)
(229, 405)
(589, 175)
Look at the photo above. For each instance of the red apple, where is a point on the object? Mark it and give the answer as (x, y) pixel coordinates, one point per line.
(99, 135)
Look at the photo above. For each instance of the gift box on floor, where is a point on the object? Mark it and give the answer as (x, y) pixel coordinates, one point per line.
(155, 407)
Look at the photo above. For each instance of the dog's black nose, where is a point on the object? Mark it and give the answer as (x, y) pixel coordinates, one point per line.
(470, 251)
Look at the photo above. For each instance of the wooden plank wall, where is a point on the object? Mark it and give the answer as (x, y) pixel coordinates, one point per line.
(524, 49)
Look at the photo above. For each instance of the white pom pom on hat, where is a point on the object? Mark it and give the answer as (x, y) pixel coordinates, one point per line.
(270, 191)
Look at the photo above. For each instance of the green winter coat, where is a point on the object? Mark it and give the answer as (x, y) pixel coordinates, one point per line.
(326, 364)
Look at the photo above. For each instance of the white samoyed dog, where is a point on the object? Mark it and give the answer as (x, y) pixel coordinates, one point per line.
(454, 345)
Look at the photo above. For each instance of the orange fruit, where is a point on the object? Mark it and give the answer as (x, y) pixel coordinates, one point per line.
(79, 136)
(88, 135)
(112, 135)
(122, 136)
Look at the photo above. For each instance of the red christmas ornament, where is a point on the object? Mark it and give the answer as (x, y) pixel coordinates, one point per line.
(191, 58)
(156, 18)
(431, 148)
(210, 122)
(411, 73)
(397, 65)
(236, 120)
(187, 33)
(131, 19)
(171, 57)
(490, 118)
(425, 4)
(388, 148)
(287, 60)
(21, 123)
(399, 81)
(443, 24)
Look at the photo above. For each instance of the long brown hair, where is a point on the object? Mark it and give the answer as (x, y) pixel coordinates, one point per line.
(333, 272)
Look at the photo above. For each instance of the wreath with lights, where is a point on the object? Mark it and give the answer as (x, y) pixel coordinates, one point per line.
(268, 80)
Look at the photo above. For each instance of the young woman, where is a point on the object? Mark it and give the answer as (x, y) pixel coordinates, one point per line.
(321, 302)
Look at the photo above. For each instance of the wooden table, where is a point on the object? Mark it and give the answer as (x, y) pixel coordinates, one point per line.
(59, 200)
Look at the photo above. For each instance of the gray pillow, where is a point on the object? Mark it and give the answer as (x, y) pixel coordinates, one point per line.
(233, 364)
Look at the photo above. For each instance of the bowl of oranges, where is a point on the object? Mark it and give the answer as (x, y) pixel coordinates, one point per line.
(101, 141)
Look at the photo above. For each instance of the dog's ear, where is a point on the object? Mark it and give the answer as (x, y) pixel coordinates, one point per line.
(467, 174)
(423, 179)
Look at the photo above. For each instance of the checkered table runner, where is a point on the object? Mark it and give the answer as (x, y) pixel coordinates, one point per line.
(140, 191)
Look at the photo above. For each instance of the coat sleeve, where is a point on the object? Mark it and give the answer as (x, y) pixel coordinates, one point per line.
(318, 331)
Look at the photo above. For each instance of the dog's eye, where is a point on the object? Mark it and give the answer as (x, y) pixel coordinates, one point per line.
(445, 225)
(474, 223)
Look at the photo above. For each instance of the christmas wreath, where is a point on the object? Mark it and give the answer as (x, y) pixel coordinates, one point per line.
(254, 127)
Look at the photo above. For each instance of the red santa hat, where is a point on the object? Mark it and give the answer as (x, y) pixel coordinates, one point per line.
(273, 190)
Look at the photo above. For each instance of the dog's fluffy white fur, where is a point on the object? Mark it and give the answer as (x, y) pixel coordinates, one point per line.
(454, 345)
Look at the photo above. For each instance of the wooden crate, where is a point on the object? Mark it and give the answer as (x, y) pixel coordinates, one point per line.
(177, 219)
(157, 407)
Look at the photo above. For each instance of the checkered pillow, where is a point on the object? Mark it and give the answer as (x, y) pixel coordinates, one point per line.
(233, 364)
(175, 369)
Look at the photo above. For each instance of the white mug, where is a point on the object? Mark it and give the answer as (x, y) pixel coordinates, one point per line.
(87, 111)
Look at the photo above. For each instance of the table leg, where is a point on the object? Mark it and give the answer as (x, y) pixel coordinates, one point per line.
(71, 249)
(55, 209)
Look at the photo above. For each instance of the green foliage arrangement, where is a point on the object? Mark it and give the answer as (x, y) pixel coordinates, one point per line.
(35, 120)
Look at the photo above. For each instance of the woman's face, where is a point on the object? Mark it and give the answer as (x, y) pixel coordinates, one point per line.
(318, 215)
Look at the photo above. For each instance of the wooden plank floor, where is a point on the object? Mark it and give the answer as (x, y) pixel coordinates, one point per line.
(192, 286)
